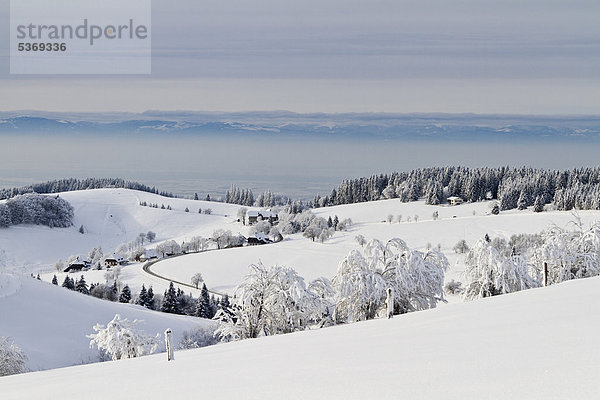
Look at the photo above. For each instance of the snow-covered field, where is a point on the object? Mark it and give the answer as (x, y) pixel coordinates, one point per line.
(536, 344)
(50, 323)
(223, 270)
(110, 217)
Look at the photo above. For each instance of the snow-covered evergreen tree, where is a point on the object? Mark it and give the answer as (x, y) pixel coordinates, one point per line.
(538, 205)
(150, 302)
(125, 296)
(203, 307)
(81, 286)
(170, 303)
(68, 283)
(142, 299)
(54, 280)
(120, 339)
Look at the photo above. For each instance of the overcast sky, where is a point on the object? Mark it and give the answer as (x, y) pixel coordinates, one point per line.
(540, 57)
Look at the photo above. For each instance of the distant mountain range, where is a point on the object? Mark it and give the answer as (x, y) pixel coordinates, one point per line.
(463, 127)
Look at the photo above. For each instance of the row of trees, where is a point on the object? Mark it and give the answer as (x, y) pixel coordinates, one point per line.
(513, 187)
(277, 300)
(173, 301)
(72, 184)
(32, 208)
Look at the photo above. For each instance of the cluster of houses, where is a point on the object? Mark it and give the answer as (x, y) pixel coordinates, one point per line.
(81, 263)
(114, 259)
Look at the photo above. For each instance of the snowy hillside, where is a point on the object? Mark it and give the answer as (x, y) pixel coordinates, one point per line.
(50, 323)
(223, 270)
(109, 217)
(536, 344)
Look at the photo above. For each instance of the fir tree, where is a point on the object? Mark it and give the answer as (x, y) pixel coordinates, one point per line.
(150, 299)
(169, 304)
(203, 308)
(82, 286)
(142, 299)
(125, 296)
(538, 205)
(522, 201)
(113, 292)
(68, 283)
(225, 304)
(54, 280)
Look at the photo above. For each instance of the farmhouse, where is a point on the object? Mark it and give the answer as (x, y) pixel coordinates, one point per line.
(147, 255)
(258, 238)
(114, 260)
(263, 215)
(455, 200)
(77, 265)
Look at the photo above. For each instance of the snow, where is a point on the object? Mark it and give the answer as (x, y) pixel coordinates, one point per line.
(535, 344)
(50, 323)
(110, 217)
(224, 269)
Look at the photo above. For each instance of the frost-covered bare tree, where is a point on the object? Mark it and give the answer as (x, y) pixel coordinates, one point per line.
(196, 279)
(489, 273)
(170, 247)
(360, 239)
(461, 247)
(12, 359)
(362, 280)
(120, 339)
(273, 301)
(241, 214)
(570, 254)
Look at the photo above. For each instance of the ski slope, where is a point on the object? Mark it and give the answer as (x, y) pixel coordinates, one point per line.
(536, 344)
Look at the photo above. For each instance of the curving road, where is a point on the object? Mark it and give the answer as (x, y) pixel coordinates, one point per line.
(146, 269)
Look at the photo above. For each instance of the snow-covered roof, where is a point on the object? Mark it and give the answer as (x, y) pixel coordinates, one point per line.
(454, 198)
(79, 261)
(114, 257)
(262, 213)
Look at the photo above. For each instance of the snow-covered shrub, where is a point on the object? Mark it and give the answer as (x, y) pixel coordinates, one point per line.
(361, 280)
(273, 301)
(453, 287)
(196, 338)
(120, 339)
(12, 358)
(489, 273)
